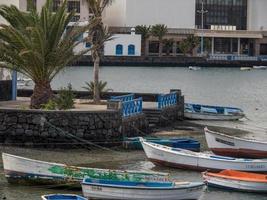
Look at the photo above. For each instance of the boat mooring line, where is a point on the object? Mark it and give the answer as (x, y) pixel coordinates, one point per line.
(80, 139)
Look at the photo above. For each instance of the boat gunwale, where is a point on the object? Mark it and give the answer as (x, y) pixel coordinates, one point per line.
(175, 187)
(233, 137)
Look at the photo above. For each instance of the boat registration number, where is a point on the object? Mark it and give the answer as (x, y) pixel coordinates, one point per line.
(255, 166)
(96, 188)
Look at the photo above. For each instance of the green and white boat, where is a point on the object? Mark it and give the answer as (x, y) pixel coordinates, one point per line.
(34, 172)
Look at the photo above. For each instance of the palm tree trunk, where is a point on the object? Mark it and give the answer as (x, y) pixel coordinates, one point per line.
(42, 92)
(96, 80)
(160, 48)
(143, 47)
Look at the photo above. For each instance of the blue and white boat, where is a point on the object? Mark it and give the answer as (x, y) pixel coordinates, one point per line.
(108, 189)
(62, 197)
(207, 112)
(181, 158)
(183, 143)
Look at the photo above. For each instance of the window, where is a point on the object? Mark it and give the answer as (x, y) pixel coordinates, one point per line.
(74, 6)
(31, 4)
(119, 49)
(56, 5)
(263, 49)
(226, 13)
(131, 49)
(88, 45)
(75, 18)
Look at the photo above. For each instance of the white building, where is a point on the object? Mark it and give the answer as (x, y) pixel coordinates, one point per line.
(120, 45)
(257, 15)
(172, 13)
(231, 26)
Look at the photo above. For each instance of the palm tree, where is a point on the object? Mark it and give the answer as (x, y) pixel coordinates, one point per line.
(145, 33)
(159, 31)
(35, 44)
(99, 34)
(102, 87)
(168, 44)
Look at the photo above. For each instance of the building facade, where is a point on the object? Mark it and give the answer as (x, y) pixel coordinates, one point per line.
(229, 26)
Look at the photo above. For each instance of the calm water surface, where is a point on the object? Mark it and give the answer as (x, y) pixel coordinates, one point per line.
(220, 86)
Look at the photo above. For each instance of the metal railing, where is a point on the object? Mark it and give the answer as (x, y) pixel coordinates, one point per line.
(230, 57)
(132, 107)
(166, 100)
(123, 98)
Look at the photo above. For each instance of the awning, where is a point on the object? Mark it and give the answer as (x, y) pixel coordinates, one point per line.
(229, 34)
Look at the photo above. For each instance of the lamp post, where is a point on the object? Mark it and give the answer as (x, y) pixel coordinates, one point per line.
(14, 85)
(202, 12)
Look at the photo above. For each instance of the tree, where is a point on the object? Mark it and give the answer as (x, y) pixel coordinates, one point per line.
(168, 44)
(145, 33)
(188, 44)
(35, 44)
(99, 34)
(159, 31)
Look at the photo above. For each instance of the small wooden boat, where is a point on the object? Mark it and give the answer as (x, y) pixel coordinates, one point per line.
(19, 169)
(259, 67)
(181, 158)
(236, 180)
(245, 68)
(183, 143)
(63, 197)
(194, 68)
(206, 112)
(106, 189)
(226, 145)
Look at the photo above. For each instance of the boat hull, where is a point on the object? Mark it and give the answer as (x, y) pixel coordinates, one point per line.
(210, 116)
(28, 171)
(239, 185)
(111, 192)
(183, 143)
(163, 155)
(225, 145)
(63, 197)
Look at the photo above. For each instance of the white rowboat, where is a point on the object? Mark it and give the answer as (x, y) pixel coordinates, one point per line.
(226, 145)
(180, 158)
(208, 112)
(100, 189)
(19, 169)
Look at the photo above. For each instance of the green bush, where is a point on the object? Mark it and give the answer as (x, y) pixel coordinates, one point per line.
(63, 101)
(50, 105)
(65, 98)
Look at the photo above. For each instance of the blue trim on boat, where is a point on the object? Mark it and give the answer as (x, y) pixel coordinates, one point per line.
(139, 185)
(198, 108)
(129, 183)
(222, 157)
(63, 197)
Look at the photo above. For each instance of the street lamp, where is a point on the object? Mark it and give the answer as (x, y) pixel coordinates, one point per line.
(202, 12)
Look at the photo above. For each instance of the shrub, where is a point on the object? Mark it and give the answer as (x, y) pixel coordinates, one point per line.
(65, 98)
(50, 105)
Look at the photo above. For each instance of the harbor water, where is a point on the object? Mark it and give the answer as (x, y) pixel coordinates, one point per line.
(217, 86)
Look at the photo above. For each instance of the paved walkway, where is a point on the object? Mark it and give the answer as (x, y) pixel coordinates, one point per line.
(80, 104)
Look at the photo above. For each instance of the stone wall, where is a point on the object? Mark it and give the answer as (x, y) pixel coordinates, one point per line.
(46, 128)
(5, 90)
